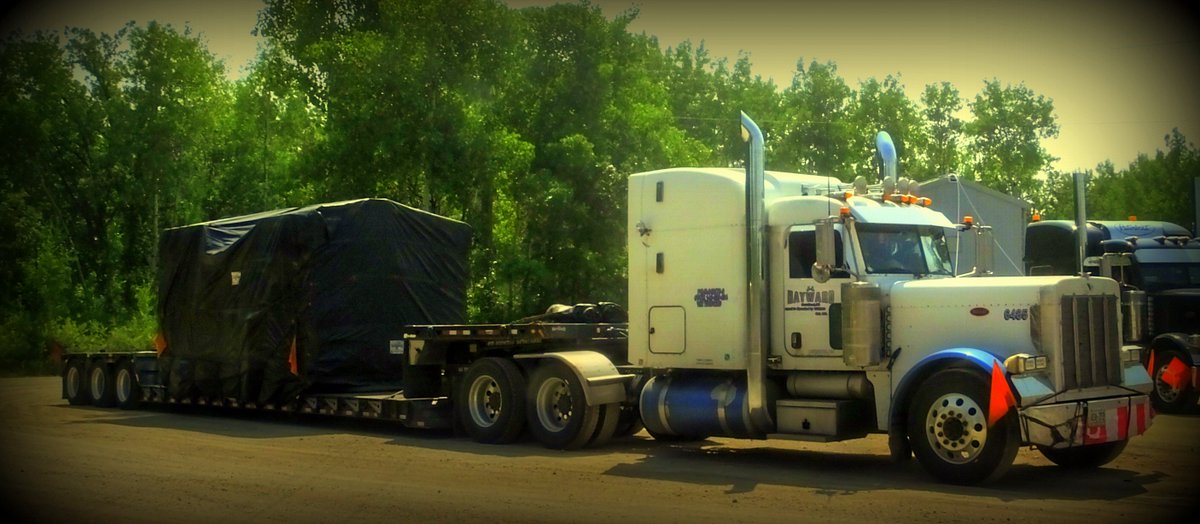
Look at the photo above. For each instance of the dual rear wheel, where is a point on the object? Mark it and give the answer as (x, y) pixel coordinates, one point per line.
(495, 403)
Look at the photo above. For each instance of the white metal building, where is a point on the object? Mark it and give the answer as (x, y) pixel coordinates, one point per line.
(1008, 215)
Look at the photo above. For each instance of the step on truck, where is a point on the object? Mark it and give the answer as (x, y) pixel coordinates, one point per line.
(768, 305)
(1158, 266)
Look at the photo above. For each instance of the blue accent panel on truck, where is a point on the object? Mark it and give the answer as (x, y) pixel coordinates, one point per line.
(980, 358)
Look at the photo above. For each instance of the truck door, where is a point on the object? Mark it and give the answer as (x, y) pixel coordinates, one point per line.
(812, 311)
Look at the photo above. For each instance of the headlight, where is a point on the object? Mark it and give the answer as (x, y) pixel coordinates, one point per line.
(1024, 363)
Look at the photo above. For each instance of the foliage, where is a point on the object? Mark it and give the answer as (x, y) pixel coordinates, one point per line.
(883, 106)
(1005, 150)
(1151, 188)
(942, 153)
(817, 136)
(523, 123)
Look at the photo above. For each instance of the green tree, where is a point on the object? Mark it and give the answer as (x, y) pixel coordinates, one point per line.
(943, 149)
(883, 106)
(177, 95)
(264, 141)
(744, 91)
(1004, 140)
(39, 120)
(817, 131)
(1153, 187)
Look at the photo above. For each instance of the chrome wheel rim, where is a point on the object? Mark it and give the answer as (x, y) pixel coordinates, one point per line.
(124, 386)
(98, 384)
(484, 401)
(1166, 392)
(73, 382)
(956, 428)
(554, 404)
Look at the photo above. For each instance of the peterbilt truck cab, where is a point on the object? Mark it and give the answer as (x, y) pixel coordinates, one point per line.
(771, 304)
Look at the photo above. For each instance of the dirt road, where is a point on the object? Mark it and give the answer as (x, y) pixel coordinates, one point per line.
(82, 464)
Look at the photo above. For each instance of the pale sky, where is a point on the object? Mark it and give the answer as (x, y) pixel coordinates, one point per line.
(1121, 73)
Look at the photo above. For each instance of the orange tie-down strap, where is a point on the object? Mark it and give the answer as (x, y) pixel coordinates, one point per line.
(160, 343)
(293, 365)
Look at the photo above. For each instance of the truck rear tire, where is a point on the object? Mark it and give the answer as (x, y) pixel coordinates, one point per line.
(1085, 457)
(491, 401)
(558, 414)
(75, 387)
(1168, 398)
(101, 386)
(128, 392)
(606, 427)
(630, 422)
(948, 429)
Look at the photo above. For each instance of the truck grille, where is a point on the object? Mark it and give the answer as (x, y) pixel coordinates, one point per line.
(1090, 344)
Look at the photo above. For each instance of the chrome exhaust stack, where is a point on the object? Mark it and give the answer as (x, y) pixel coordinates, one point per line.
(756, 292)
(1081, 238)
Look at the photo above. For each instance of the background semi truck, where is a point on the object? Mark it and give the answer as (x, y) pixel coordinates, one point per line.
(1158, 266)
(761, 305)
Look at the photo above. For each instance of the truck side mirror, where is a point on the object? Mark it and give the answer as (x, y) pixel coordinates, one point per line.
(826, 254)
(983, 253)
(984, 260)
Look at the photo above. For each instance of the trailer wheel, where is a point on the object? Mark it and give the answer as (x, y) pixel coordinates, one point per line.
(1166, 397)
(128, 392)
(74, 384)
(101, 386)
(558, 414)
(949, 433)
(1085, 457)
(491, 402)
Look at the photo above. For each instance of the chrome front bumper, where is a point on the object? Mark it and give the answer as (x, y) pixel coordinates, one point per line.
(1086, 422)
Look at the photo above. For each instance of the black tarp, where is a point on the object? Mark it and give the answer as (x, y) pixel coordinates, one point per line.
(335, 281)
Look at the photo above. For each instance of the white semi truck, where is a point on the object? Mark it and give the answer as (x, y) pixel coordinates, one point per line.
(773, 305)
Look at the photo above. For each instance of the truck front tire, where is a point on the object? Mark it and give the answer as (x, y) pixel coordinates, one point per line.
(948, 429)
(1168, 398)
(1085, 457)
(491, 403)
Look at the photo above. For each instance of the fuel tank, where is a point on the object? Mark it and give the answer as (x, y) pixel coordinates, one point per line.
(696, 406)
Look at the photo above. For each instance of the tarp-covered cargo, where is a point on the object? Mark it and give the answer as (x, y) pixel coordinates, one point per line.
(261, 307)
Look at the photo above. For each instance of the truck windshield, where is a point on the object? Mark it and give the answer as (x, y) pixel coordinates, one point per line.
(918, 250)
(1161, 277)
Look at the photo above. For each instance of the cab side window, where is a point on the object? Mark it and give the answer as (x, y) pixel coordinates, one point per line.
(802, 252)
